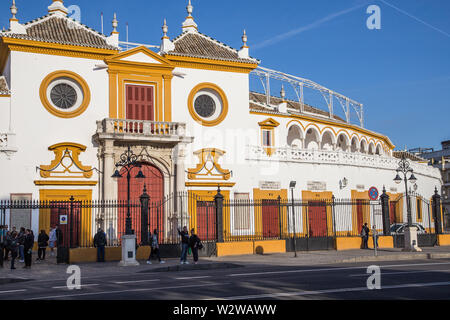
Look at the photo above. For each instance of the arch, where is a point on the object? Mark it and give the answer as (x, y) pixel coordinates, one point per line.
(354, 144)
(295, 136)
(296, 122)
(379, 149)
(154, 182)
(312, 138)
(371, 149)
(328, 140)
(343, 142)
(363, 145)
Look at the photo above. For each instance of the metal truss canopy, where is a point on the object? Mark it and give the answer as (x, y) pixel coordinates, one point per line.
(298, 84)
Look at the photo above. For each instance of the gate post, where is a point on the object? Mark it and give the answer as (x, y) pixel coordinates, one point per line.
(72, 199)
(385, 212)
(144, 198)
(218, 199)
(436, 208)
(279, 216)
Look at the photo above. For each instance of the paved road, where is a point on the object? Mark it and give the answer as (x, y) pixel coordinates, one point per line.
(418, 279)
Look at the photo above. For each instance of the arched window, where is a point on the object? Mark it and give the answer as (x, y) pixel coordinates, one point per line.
(328, 141)
(312, 139)
(295, 137)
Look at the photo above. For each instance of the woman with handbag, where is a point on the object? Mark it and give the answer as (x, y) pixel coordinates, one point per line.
(195, 244)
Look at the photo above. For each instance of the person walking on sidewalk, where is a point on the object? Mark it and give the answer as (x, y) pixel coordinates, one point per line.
(52, 240)
(184, 244)
(365, 235)
(195, 244)
(21, 239)
(7, 251)
(375, 236)
(28, 248)
(154, 247)
(42, 245)
(13, 246)
(100, 243)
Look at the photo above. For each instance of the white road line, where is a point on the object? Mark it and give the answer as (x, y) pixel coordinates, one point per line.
(122, 291)
(186, 278)
(401, 272)
(136, 281)
(81, 285)
(319, 292)
(334, 269)
(11, 291)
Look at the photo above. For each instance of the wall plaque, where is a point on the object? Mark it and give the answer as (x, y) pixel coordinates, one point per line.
(270, 185)
(316, 185)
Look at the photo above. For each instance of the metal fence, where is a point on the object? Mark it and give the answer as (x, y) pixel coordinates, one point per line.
(230, 220)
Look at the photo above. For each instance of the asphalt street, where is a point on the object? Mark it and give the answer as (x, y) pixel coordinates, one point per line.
(418, 279)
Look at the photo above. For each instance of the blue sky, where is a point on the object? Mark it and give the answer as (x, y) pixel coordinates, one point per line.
(400, 73)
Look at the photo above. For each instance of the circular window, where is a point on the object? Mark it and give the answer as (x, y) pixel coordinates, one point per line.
(208, 104)
(205, 106)
(65, 94)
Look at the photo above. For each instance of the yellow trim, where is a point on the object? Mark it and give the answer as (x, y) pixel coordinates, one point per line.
(360, 195)
(269, 125)
(210, 184)
(210, 64)
(59, 150)
(57, 49)
(258, 196)
(5, 96)
(294, 118)
(66, 74)
(64, 183)
(223, 97)
(204, 156)
(419, 208)
(123, 72)
(207, 195)
(64, 195)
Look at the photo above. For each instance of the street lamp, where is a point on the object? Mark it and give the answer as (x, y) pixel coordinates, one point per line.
(128, 161)
(292, 186)
(410, 231)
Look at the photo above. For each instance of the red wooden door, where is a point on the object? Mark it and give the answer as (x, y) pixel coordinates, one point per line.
(140, 105)
(270, 219)
(206, 220)
(359, 214)
(154, 182)
(59, 209)
(317, 216)
(392, 212)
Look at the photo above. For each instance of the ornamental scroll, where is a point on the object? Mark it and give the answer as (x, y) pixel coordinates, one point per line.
(208, 167)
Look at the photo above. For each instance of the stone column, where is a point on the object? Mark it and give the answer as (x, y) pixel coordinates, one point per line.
(109, 185)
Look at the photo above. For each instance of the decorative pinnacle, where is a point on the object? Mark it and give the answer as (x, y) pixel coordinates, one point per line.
(190, 9)
(244, 38)
(115, 23)
(282, 93)
(13, 9)
(165, 28)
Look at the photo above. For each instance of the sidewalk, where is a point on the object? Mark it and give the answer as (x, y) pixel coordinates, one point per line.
(49, 270)
(305, 258)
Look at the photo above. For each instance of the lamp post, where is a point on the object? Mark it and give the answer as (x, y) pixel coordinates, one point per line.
(410, 231)
(292, 186)
(128, 161)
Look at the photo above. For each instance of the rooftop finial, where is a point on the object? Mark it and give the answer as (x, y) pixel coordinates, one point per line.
(189, 24)
(282, 93)
(115, 23)
(57, 7)
(165, 29)
(244, 39)
(14, 10)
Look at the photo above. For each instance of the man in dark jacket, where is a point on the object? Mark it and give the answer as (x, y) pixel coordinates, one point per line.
(194, 242)
(13, 246)
(28, 247)
(42, 245)
(184, 244)
(21, 238)
(365, 235)
(100, 243)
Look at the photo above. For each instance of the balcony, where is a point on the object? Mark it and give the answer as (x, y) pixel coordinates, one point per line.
(296, 155)
(142, 130)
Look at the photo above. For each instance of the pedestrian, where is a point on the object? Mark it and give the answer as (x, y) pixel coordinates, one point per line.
(42, 245)
(52, 240)
(13, 247)
(59, 237)
(7, 251)
(154, 247)
(100, 243)
(365, 236)
(28, 248)
(184, 244)
(375, 235)
(21, 239)
(2, 245)
(195, 244)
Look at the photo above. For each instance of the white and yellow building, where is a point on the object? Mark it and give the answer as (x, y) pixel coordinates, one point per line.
(72, 100)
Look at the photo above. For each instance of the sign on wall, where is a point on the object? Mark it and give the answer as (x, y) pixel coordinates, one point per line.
(63, 219)
(316, 185)
(270, 185)
(20, 217)
(373, 193)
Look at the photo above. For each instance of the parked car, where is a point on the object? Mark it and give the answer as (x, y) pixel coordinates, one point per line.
(399, 228)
